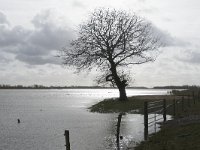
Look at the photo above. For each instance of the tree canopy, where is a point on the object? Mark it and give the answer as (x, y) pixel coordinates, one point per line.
(112, 40)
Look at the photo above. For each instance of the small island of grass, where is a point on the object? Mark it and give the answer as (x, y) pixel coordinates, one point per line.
(133, 105)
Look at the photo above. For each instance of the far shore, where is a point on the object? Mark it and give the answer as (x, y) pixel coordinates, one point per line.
(36, 86)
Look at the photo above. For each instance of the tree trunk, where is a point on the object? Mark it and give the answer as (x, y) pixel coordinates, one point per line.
(122, 93)
(121, 84)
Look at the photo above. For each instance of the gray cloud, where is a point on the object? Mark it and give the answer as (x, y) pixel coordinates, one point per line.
(3, 19)
(190, 56)
(3, 59)
(36, 46)
(13, 37)
(141, 1)
(167, 39)
(37, 60)
(194, 58)
(78, 4)
(51, 37)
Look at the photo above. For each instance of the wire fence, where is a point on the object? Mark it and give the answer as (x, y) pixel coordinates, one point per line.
(155, 112)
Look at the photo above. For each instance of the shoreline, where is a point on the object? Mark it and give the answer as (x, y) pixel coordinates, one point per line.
(182, 132)
(133, 105)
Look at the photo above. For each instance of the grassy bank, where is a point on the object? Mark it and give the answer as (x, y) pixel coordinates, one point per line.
(179, 137)
(133, 105)
(182, 133)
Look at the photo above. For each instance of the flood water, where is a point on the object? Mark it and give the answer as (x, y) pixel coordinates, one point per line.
(45, 114)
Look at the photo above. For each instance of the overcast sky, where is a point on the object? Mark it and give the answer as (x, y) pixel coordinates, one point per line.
(32, 32)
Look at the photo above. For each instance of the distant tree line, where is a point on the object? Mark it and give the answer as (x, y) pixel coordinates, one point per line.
(36, 86)
(177, 87)
(7, 86)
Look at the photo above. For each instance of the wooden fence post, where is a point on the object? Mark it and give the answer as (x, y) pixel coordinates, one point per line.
(199, 95)
(193, 97)
(164, 110)
(67, 139)
(182, 101)
(145, 120)
(174, 108)
(188, 100)
(177, 106)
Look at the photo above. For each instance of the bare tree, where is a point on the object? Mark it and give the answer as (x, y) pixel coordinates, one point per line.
(111, 40)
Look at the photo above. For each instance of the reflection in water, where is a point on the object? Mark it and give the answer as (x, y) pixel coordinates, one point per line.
(127, 130)
(118, 130)
(124, 131)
